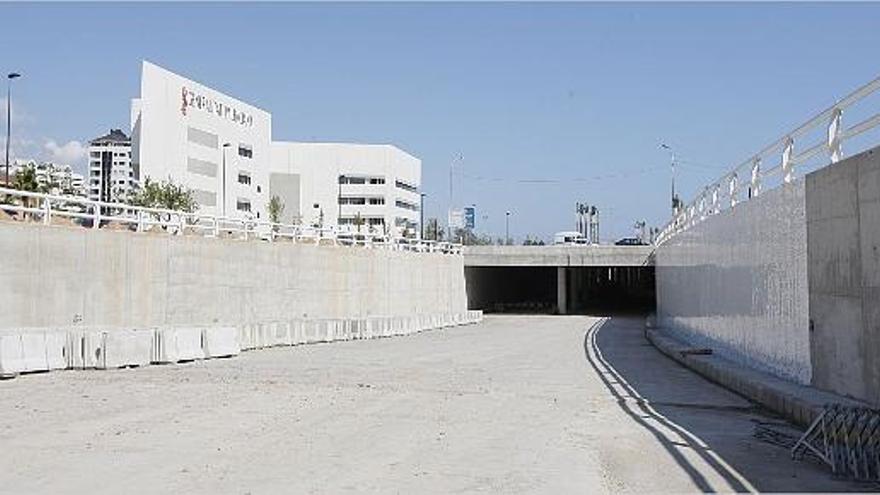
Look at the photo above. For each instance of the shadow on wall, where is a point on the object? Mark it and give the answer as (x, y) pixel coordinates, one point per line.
(706, 429)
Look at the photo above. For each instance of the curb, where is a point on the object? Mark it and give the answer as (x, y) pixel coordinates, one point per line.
(797, 403)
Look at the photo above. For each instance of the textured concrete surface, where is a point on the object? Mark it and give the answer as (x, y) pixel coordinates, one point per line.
(558, 255)
(66, 275)
(843, 246)
(737, 282)
(514, 404)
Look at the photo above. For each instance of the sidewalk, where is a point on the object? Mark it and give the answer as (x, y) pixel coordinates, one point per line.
(797, 403)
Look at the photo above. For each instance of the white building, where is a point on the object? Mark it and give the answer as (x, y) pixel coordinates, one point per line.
(54, 178)
(210, 142)
(222, 149)
(372, 186)
(112, 176)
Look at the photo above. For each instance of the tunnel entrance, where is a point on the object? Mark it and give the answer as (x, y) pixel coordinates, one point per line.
(566, 290)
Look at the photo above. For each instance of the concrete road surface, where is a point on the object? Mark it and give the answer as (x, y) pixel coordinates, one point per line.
(516, 404)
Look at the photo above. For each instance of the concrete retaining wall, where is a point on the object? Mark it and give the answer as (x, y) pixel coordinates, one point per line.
(843, 246)
(737, 282)
(788, 282)
(57, 276)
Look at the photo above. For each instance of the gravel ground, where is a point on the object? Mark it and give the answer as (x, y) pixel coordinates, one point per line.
(514, 404)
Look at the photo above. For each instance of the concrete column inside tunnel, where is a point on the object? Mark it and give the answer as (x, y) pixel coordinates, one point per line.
(561, 293)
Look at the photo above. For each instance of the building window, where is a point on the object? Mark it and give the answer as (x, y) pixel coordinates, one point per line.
(377, 221)
(245, 151)
(352, 201)
(343, 179)
(405, 186)
(243, 205)
(244, 178)
(377, 180)
(407, 206)
(377, 201)
(259, 189)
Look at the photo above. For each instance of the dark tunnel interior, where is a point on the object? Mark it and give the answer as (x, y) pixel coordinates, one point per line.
(581, 290)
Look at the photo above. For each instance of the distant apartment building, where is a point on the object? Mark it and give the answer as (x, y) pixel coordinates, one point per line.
(53, 178)
(112, 177)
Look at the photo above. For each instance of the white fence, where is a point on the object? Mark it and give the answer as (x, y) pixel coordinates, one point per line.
(97, 214)
(821, 139)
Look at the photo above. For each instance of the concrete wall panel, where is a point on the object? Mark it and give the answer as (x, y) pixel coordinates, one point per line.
(737, 282)
(64, 276)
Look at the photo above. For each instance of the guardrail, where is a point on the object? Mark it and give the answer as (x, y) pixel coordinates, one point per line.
(821, 139)
(99, 214)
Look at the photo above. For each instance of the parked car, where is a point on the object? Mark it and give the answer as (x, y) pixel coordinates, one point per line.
(630, 241)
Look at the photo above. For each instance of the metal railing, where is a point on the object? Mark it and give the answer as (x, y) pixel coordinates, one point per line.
(826, 147)
(48, 208)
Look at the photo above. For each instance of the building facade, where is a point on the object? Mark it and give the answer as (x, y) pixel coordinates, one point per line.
(366, 187)
(53, 178)
(210, 142)
(222, 149)
(112, 176)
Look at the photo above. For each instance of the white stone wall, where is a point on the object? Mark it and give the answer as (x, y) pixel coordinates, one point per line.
(64, 275)
(737, 282)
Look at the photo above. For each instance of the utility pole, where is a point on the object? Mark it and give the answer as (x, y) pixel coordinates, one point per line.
(422, 215)
(672, 165)
(507, 227)
(9, 78)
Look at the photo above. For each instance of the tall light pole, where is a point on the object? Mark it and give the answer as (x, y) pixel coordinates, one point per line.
(672, 165)
(223, 180)
(9, 78)
(422, 215)
(451, 197)
(507, 227)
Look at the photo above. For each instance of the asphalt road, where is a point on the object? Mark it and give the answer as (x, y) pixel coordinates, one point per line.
(514, 404)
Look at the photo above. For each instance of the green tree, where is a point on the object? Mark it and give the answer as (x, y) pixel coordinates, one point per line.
(276, 209)
(165, 194)
(25, 179)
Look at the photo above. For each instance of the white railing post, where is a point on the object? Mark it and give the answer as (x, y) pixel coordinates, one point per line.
(756, 178)
(181, 223)
(47, 211)
(733, 189)
(787, 164)
(834, 133)
(715, 206)
(96, 215)
(140, 218)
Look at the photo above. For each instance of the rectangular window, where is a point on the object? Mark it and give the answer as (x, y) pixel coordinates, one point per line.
(405, 186)
(407, 206)
(244, 178)
(205, 198)
(377, 201)
(245, 151)
(377, 180)
(344, 179)
(352, 201)
(243, 205)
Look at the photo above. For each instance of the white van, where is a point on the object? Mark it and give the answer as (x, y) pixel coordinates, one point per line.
(569, 238)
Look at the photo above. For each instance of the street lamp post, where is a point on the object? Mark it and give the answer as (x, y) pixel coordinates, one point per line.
(507, 227)
(9, 77)
(672, 165)
(223, 180)
(422, 215)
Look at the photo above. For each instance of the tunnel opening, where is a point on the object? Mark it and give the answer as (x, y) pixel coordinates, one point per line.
(561, 290)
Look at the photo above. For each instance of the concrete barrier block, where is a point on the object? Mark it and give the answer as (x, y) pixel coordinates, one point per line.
(297, 335)
(245, 340)
(220, 342)
(125, 347)
(175, 344)
(33, 346)
(56, 349)
(11, 355)
(282, 333)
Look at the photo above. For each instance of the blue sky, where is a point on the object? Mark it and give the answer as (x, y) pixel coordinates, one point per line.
(547, 104)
